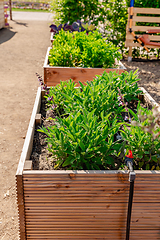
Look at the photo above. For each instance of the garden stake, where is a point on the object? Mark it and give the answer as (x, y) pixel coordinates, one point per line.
(132, 175)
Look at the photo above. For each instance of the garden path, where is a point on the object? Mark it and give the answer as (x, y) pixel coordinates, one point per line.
(23, 48)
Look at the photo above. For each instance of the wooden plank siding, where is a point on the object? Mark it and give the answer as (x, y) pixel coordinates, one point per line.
(53, 75)
(140, 30)
(83, 205)
(90, 205)
(25, 155)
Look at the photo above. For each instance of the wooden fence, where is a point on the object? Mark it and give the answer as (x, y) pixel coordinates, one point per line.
(139, 16)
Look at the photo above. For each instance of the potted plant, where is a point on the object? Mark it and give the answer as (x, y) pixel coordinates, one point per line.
(80, 56)
(88, 204)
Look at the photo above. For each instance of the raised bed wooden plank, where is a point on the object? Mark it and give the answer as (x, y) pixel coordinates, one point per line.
(21, 211)
(27, 148)
(53, 75)
(101, 200)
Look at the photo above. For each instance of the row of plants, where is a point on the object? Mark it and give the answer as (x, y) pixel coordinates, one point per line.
(75, 26)
(109, 16)
(78, 49)
(97, 124)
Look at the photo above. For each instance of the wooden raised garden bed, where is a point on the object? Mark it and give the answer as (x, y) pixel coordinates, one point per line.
(80, 205)
(53, 75)
(52, 37)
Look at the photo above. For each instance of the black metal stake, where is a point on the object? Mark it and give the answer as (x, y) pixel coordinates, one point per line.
(131, 179)
(129, 209)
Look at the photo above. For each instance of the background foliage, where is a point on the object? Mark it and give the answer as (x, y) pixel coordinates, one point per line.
(73, 10)
(147, 4)
(110, 15)
(82, 50)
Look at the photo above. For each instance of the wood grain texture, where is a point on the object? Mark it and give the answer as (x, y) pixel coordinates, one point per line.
(53, 75)
(21, 211)
(27, 147)
(90, 206)
(86, 204)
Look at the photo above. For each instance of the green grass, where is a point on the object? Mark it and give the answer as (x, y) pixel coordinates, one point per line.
(29, 10)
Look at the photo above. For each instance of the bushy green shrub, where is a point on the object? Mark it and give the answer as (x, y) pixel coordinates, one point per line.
(85, 136)
(143, 138)
(71, 10)
(113, 14)
(116, 20)
(90, 134)
(79, 141)
(79, 49)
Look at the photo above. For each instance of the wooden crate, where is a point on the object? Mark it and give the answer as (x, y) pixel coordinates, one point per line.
(140, 30)
(80, 205)
(53, 75)
(2, 21)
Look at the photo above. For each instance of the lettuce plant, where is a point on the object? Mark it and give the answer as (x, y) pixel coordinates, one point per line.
(81, 50)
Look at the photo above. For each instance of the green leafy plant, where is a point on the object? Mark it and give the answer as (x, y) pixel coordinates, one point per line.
(81, 141)
(116, 21)
(81, 50)
(147, 4)
(101, 94)
(93, 127)
(71, 10)
(55, 96)
(143, 138)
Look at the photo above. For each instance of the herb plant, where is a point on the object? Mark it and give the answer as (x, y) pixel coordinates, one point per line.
(143, 138)
(101, 94)
(79, 141)
(88, 134)
(81, 50)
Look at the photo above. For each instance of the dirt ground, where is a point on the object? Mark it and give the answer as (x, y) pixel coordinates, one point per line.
(149, 74)
(23, 48)
(22, 51)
